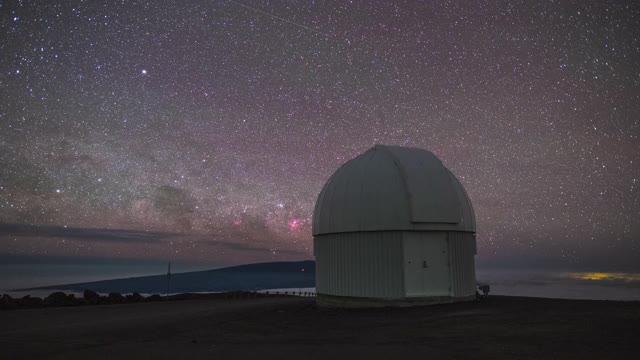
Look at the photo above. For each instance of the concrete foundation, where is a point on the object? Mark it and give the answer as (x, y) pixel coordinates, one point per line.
(324, 300)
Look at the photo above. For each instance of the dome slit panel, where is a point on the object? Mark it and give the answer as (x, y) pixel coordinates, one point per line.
(400, 172)
(432, 196)
(389, 193)
(375, 213)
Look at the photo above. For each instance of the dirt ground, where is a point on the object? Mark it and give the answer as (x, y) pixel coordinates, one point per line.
(290, 327)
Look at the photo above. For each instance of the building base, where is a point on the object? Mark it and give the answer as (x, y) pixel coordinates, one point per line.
(324, 300)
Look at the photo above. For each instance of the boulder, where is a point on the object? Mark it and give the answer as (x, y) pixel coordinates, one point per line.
(57, 298)
(91, 297)
(73, 300)
(28, 301)
(7, 302)
(135, 297)
(116, 298)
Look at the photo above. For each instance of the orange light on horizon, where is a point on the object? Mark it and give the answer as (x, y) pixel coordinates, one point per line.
(596, 276)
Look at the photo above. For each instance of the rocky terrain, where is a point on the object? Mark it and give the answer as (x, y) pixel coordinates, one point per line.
(276, 327)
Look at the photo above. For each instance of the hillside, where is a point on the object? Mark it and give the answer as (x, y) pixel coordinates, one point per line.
(274, 275)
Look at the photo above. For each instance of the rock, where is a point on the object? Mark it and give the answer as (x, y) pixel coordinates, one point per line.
(7, 302)
(72, 300)
(135, 297)
(116, 298)
(91, 296)
(36, 301)
(57, 298)
(185, 296)
(28, 301)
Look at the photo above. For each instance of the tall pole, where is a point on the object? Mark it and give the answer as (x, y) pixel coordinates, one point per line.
(168, 279)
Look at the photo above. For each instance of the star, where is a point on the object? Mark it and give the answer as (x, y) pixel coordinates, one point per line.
(219, 135)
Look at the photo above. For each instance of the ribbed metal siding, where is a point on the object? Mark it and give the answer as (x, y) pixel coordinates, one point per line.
(462, 263)
(360, 264)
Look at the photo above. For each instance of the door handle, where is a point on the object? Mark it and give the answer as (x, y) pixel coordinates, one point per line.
(424, 264)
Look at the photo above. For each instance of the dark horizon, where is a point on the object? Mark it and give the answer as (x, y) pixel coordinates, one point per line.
(149, 239)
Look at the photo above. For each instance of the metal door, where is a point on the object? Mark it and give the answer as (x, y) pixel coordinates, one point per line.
(426, 264)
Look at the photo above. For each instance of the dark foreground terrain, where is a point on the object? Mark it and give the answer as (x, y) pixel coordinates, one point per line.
(291, 327)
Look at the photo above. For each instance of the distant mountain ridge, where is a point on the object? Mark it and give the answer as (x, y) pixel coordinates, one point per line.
(260, 276)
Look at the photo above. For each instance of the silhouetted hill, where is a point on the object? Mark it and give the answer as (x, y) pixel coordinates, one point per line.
(274, 275)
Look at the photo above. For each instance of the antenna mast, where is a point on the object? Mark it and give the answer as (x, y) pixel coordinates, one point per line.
(168, 279)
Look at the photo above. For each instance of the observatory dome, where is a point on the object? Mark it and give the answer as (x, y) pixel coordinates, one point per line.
(390, 188)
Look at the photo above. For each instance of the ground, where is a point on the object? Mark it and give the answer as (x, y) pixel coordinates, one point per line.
(292, 327)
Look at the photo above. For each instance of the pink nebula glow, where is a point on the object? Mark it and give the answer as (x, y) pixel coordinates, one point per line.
(294, 224)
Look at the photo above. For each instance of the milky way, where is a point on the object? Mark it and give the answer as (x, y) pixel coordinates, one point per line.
(212, 126)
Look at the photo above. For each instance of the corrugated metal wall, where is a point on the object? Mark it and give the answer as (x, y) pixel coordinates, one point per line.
(462, 248)
(360, 264)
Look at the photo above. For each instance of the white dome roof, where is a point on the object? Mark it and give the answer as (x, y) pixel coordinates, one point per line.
(393, 188)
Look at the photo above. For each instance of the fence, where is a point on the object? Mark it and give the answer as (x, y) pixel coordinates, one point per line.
(291, 293)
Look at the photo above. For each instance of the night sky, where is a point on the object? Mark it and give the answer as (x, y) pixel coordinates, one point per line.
(203, 131)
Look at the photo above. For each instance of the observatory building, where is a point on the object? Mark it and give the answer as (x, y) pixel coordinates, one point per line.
(394, 226)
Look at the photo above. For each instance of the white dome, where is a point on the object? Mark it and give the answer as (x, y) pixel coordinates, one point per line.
(393, 188)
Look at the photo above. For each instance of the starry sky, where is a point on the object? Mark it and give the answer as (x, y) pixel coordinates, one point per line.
(203, 131)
